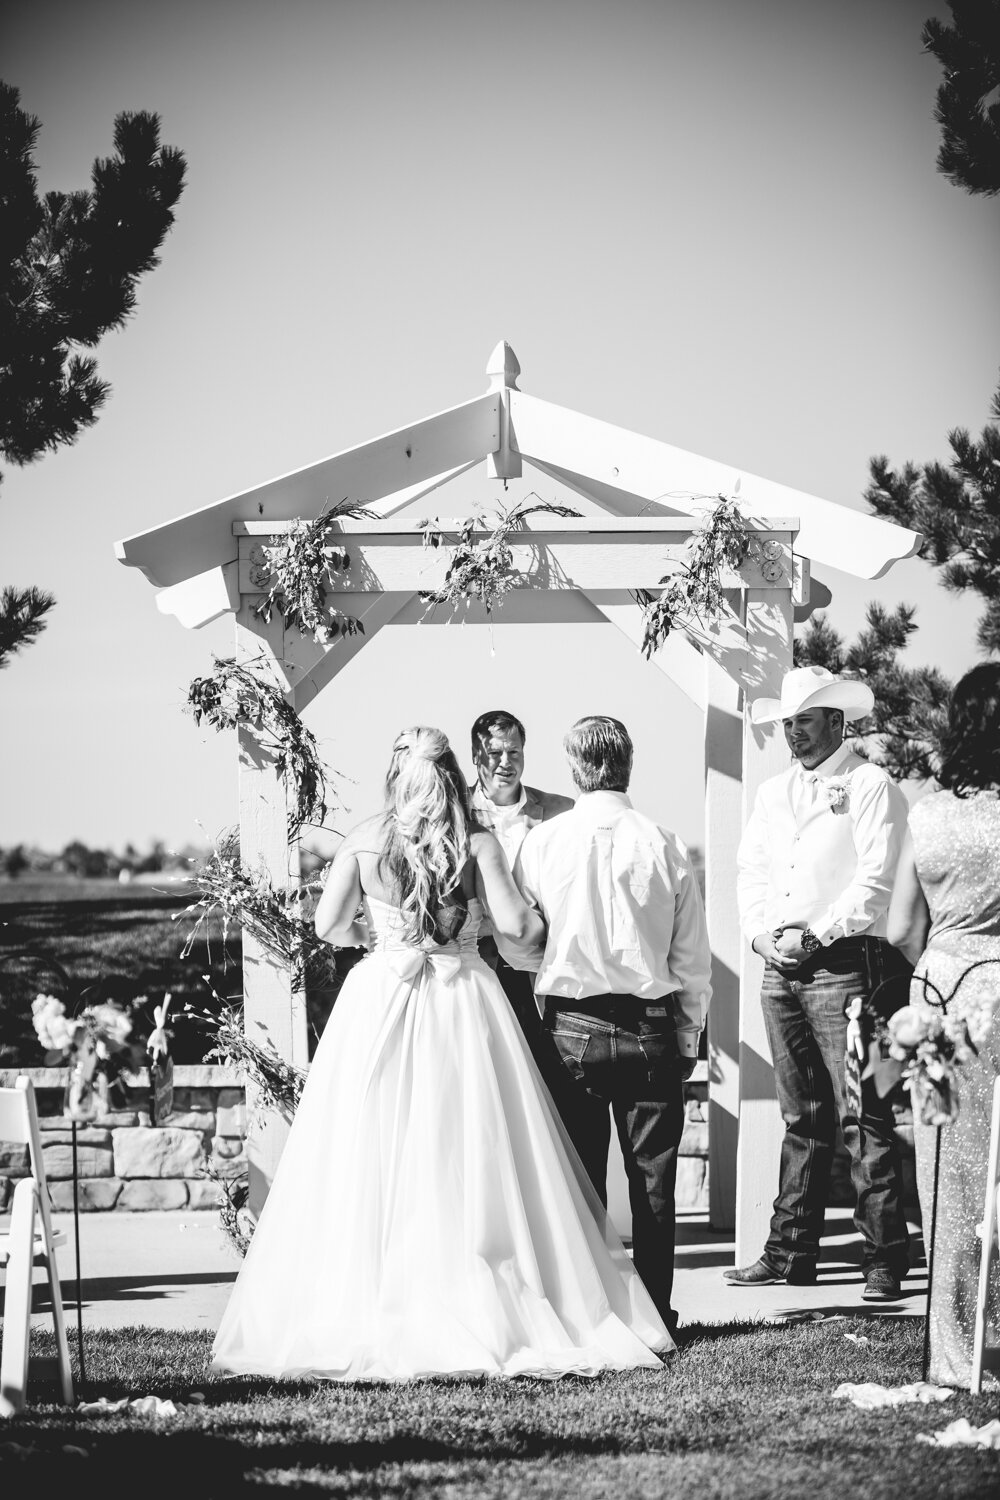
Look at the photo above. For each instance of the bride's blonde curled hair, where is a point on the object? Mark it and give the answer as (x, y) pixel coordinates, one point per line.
(427, 832)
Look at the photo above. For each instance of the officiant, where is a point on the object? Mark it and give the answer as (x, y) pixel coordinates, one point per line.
(502, 802)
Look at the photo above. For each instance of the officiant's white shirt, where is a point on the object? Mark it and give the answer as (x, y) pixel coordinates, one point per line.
(622, 907)
(806, 862)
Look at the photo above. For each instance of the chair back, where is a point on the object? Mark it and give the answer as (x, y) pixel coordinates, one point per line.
(19, 1125)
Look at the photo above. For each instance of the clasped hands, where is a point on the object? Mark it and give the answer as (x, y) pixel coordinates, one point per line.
(782, 948)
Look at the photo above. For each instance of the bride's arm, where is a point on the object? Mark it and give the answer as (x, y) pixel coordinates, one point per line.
(512, 917)
(909, 919)
(338, 905)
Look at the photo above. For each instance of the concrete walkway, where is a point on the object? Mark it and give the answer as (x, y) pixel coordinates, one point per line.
(176, 1270)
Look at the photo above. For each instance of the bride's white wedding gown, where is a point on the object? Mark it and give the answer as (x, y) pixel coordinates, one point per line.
(429, 1215)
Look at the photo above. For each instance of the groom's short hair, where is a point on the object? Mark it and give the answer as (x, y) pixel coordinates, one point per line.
(599, 751)
(497, 721)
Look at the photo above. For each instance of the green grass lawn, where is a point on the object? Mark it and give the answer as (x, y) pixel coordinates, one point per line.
(114, 942)
(744, 1411)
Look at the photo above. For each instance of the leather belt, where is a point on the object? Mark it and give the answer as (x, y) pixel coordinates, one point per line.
(606, 1007)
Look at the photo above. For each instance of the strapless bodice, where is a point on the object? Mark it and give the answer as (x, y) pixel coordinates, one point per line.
(389, 936)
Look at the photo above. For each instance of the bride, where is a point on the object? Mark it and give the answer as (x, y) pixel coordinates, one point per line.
(429, 1215)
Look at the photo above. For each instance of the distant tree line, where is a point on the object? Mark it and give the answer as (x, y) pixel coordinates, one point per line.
(81, 861)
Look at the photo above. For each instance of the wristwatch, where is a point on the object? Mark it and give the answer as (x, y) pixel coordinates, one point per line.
(809, 942)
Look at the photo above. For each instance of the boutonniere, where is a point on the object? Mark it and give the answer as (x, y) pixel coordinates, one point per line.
(836, 791)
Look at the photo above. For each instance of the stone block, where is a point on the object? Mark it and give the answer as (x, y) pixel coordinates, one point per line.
(203, 1193)
(13, 1158)
(232, 1166)
(692, 1182)
(198, 1098)
(92, 1161)
(228, 1147)
(231, 1113)
(96, 1194)
(146, 1195)
(158, 1152)
(206, 1076)
(694, 1141)
(86, 1135)
(195, 1119)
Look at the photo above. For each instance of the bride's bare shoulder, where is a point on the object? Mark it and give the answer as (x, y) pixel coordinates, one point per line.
(366, 837)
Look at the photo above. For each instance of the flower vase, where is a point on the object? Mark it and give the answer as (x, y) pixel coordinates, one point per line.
(935, 1100)
(86, 1094)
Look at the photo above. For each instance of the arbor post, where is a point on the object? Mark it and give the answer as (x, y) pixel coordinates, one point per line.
(769, 633)
(274, 1013)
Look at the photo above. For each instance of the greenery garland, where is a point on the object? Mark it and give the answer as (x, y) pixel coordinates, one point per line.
(277, 1083)
(231, 695)
(721, 540)
(302, 565)
(272, 917)
(482, 570)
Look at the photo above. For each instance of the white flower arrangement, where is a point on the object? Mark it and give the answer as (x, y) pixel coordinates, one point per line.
(95, 1043)
(929, 1044)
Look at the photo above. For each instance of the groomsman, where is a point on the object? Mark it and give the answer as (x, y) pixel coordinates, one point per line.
(624, 977)
(502, 802)
(816, 867)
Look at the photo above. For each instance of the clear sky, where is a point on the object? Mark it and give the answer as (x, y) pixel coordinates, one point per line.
(715, 222)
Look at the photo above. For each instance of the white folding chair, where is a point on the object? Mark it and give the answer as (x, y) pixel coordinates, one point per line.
(984, 1355)
(29, 1242)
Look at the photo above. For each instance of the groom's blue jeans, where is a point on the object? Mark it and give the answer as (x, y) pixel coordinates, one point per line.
(620, 1060)
(807, 1032)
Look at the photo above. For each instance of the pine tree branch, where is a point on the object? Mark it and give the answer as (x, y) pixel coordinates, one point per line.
(69, 266)
(21, 618)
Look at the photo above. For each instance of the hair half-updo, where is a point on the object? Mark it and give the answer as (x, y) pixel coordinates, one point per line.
(427, 833)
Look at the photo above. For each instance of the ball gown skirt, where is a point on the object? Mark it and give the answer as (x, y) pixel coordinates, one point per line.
(429, 1215)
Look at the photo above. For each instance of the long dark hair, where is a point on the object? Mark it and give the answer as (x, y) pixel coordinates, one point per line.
(427, 833)
(971, 748)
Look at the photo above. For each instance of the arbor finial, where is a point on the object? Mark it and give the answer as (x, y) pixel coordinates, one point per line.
(503, 368)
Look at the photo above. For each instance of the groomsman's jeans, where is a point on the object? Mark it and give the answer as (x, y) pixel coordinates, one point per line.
(623, 1060)
(807, 1032)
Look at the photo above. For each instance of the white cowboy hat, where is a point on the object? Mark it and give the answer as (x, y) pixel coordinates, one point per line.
(814, 687)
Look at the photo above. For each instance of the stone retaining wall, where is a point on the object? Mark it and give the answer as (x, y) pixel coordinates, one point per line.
(128, 1165)
(125, 1163)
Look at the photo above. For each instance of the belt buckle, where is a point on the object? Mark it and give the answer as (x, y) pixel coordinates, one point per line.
(656, 1010)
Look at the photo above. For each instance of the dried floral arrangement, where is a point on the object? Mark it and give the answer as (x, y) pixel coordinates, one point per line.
(232, 694)
(694, 594)
(482, 570)
(276, 1083)
(273, 917)
(302, 566)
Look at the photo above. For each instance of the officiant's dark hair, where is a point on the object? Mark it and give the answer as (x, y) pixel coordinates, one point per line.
(599, 751)
(497, 721)
(971, 747)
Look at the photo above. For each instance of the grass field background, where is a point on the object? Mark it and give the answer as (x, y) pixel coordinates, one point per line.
(84, 940)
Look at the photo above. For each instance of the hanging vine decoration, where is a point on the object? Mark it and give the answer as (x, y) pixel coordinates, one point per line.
(277, 1084)
(232, 695)
(482, 570)
(722, 540)
(302, 565)
(273, 917)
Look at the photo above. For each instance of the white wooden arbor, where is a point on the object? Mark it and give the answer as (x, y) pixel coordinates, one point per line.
(211, 562)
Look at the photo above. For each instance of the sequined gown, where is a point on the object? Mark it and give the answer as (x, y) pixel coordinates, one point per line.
(429, 1215)
(956, 845)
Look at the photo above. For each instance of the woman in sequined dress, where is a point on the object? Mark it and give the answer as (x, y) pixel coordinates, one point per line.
(945, 917)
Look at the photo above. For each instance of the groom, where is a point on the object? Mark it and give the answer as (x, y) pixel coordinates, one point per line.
(625, 980)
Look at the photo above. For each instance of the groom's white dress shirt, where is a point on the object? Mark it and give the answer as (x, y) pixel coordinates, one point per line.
(622, 910)
(820, 850)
